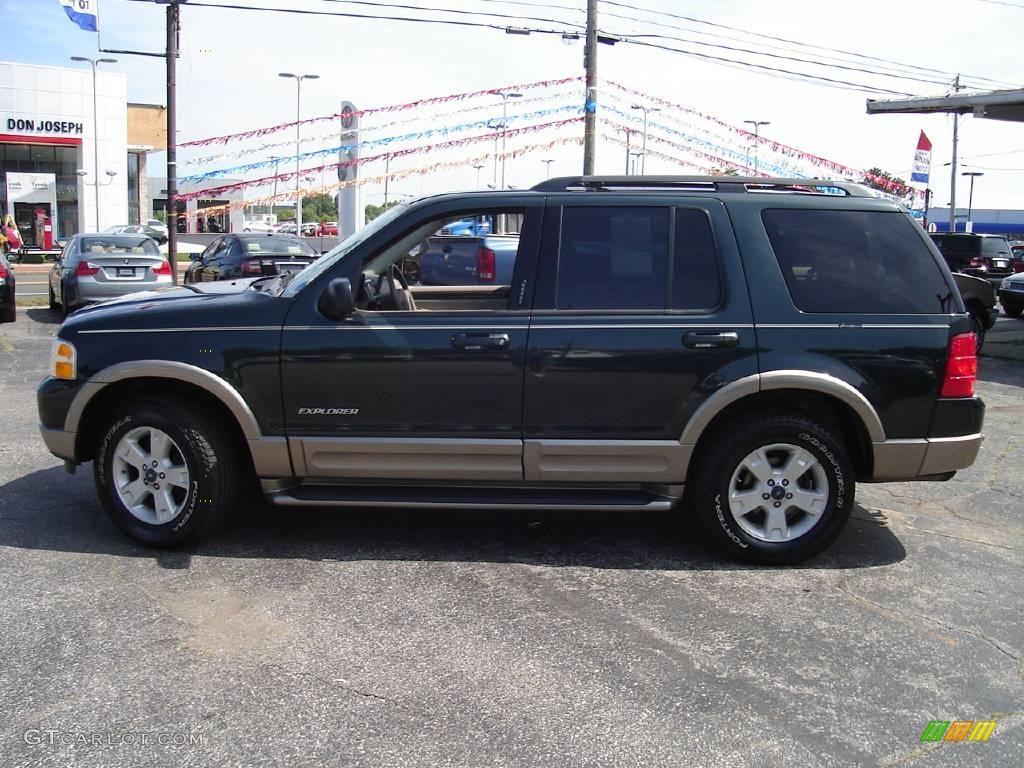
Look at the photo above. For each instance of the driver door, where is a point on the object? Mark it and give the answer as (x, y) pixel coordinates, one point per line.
(433, 393)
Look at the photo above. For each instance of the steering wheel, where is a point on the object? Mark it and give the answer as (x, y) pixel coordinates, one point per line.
(398, 285)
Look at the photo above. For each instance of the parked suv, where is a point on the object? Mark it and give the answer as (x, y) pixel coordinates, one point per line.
(985, 256)
(743, 349)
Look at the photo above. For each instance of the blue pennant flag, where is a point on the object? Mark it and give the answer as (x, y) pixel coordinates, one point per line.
(82, 12)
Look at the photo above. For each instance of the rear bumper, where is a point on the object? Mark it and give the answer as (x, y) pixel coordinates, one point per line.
(920, 459)
(91, 293)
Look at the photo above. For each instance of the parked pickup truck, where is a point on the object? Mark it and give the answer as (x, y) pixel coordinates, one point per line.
(468, 260)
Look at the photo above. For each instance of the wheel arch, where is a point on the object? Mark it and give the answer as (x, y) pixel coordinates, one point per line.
(819, 396)
(112, 386)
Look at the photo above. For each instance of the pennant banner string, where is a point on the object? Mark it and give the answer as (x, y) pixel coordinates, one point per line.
(441, 131)
(454, 143)
(225, 139)
(333, 135)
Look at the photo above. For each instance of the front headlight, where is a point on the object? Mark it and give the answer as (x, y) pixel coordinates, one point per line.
(62, 360)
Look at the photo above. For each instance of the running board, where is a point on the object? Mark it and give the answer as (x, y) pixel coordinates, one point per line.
(469, 497)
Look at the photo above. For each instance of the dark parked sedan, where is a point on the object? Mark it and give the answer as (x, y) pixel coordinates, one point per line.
(8, 314)
(250, 255)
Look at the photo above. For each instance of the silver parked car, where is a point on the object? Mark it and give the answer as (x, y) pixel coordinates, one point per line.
(94, 268)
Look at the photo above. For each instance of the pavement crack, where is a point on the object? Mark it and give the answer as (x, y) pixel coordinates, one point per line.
(949, 627)
(962, 538)
(337, 683)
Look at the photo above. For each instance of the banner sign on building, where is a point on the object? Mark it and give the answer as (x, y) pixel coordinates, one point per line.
(82, 12)
(922, 160)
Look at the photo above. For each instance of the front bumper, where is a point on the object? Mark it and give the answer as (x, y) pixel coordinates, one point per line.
(53, 400)
(1013, 297)
(60, 443)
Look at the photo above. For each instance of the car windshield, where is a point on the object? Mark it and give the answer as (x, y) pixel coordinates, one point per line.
(341, 250)
(118, 245)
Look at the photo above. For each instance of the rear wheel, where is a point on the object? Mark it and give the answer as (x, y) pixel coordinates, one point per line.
(978, 327)
(10, 312)
(53, 300)
(165, 472)
(778, 490)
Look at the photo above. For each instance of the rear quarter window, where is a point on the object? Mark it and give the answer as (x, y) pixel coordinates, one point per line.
(858, 262)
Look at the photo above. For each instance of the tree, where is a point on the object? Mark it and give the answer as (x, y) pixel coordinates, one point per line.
(319, 207)
(373, 211)
(724, 172)
(876, 178)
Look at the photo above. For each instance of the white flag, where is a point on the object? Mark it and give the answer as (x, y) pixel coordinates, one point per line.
(82, 12)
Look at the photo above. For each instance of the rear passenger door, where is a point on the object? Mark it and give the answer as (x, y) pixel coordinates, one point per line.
(641, 313)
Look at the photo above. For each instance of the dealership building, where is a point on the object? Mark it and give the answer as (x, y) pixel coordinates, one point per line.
(60, 170)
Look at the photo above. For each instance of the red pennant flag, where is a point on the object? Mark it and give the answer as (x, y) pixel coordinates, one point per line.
(924, 144)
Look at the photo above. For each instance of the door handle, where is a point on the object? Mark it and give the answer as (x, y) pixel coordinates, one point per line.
(480, 340)
(710, 339)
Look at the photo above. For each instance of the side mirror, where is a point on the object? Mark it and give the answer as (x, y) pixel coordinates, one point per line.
(336, 302)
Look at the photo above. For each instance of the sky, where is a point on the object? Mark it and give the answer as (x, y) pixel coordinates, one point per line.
(228, 74)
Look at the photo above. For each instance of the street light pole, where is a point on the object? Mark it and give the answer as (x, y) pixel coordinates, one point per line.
(970, 195)
(547, 168)
(298, 137)
(95, 132)
(478, 169)
(643, 149)
(273, 200)
(757, 135)
(505, 96)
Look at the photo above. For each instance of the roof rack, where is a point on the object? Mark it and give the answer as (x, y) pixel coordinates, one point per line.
(735, 184)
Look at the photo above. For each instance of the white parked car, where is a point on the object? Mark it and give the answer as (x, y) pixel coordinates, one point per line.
(158, 225)
(259, 226)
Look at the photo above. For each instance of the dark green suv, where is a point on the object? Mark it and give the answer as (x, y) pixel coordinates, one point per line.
(739, 351)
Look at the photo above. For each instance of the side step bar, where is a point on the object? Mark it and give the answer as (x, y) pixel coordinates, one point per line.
(469, 497)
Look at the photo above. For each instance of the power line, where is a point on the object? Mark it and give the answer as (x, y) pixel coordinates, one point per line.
(454, 11)
(791, 41)
(750, 65)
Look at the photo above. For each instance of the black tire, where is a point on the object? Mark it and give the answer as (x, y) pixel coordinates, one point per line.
(978, 326)
(209, 454)
(10, 314)
(723, 457)
(1013, 310)
(53, 300)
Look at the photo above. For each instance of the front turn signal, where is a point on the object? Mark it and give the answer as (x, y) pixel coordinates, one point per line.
(62, 359)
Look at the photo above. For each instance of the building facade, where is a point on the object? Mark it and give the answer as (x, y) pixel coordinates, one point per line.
(56, 163)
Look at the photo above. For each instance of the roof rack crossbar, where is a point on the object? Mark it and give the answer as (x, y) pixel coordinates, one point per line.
(735, 184)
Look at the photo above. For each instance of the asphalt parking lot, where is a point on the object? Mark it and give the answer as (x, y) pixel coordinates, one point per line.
(508, 639)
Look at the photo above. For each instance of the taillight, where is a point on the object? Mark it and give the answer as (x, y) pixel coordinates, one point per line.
(252, 267)
(86, 269)
(163, 269)
(961, 367)
(977, 261)
(3, 271)
(1018, 266)
(485, 265)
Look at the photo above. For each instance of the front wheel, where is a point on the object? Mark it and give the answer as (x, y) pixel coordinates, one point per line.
(774, 490)
(166, 472)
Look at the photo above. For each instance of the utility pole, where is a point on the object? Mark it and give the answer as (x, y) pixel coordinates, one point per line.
(590, 104)
(173, 27)
(628, 132)
(952, 170)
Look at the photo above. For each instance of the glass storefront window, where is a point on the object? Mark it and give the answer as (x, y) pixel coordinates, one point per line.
(63, 162)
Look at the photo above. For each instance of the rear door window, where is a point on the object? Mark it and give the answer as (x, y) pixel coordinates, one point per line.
(613, 258)
(872, 262)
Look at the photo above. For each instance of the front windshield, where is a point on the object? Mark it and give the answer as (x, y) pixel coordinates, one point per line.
(341, 250)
